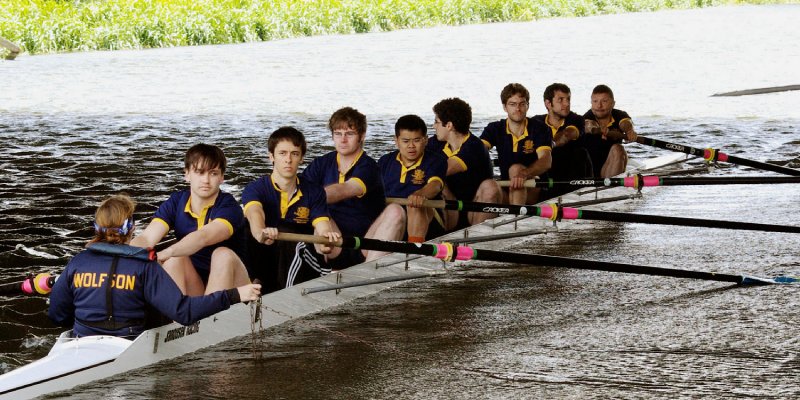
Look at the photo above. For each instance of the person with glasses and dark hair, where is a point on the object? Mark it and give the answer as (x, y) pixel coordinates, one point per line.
(469, 168)
(352, 184)
(208, 224)
(606, 127)
(107, 288)
(570, 160)
(523, 145)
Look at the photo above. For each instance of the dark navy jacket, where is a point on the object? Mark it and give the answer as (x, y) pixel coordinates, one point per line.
(78, 297)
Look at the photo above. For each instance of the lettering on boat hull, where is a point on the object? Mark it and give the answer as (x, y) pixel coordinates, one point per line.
(181, 332)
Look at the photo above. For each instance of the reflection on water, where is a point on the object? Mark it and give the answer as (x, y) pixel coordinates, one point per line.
(76, 127)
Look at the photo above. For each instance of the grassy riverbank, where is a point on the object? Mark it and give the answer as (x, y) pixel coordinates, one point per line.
(44, 26)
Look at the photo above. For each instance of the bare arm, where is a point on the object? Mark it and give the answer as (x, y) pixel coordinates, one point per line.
(324, 228)
(255, 217)
(627, 126)
(539, 167)
(212, 233)
(154, 232)
(567, 135)
(343, 191)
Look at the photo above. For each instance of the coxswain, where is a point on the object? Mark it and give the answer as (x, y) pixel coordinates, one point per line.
(105, 289)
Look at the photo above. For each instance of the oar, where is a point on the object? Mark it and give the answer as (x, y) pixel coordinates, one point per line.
(638, 181)
(450, 252)
(716, 155)
(556, 213)
(32, 285)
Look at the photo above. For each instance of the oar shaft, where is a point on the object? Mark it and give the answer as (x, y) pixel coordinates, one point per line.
(715, 155)
(449, 252)
(683, 221)
(637, 181)
(554, 212)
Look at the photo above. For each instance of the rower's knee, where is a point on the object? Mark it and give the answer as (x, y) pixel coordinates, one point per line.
(395, 214)
(618, 152)
(224, 256)
(489, 192)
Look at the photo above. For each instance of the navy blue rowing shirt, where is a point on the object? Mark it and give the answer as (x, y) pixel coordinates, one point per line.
(354, 215)
(517, 150)
(79, 293)
(402, 181)
(572, 119)
(176, 213)
(296, 212)
(474, 157)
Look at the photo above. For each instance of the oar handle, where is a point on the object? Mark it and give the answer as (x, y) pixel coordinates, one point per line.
(299, 237)
(530, 183)
(427, 203)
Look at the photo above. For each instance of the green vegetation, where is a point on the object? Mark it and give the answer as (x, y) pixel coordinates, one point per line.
(43, 26)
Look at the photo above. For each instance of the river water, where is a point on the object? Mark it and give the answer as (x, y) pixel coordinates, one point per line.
(76, 127)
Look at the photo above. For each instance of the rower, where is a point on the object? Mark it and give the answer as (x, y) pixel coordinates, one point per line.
(570, 160)
(523, 145)
(352, 184)
(606, 127)
(106, 288)
(469, 168)
(417, 174)
(208, 224)
(290, 203)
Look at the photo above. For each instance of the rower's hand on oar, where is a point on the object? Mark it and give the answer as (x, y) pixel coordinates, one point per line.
(249, 292)
(631, 136)
(416, 200)
(518, 181)
(333, 238)
(268, 236)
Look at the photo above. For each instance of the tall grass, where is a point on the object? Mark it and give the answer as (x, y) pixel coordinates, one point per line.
(43, 26)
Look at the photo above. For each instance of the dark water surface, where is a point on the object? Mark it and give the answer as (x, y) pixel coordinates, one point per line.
(77, 127)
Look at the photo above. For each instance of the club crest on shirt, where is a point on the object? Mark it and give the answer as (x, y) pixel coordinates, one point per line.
(527, 147)
(418, 177)
(301, 215)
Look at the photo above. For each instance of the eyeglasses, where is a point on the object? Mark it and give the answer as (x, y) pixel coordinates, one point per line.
(523, 104)
(348, 134)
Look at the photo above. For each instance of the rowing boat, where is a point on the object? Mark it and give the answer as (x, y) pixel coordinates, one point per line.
(73, 362)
